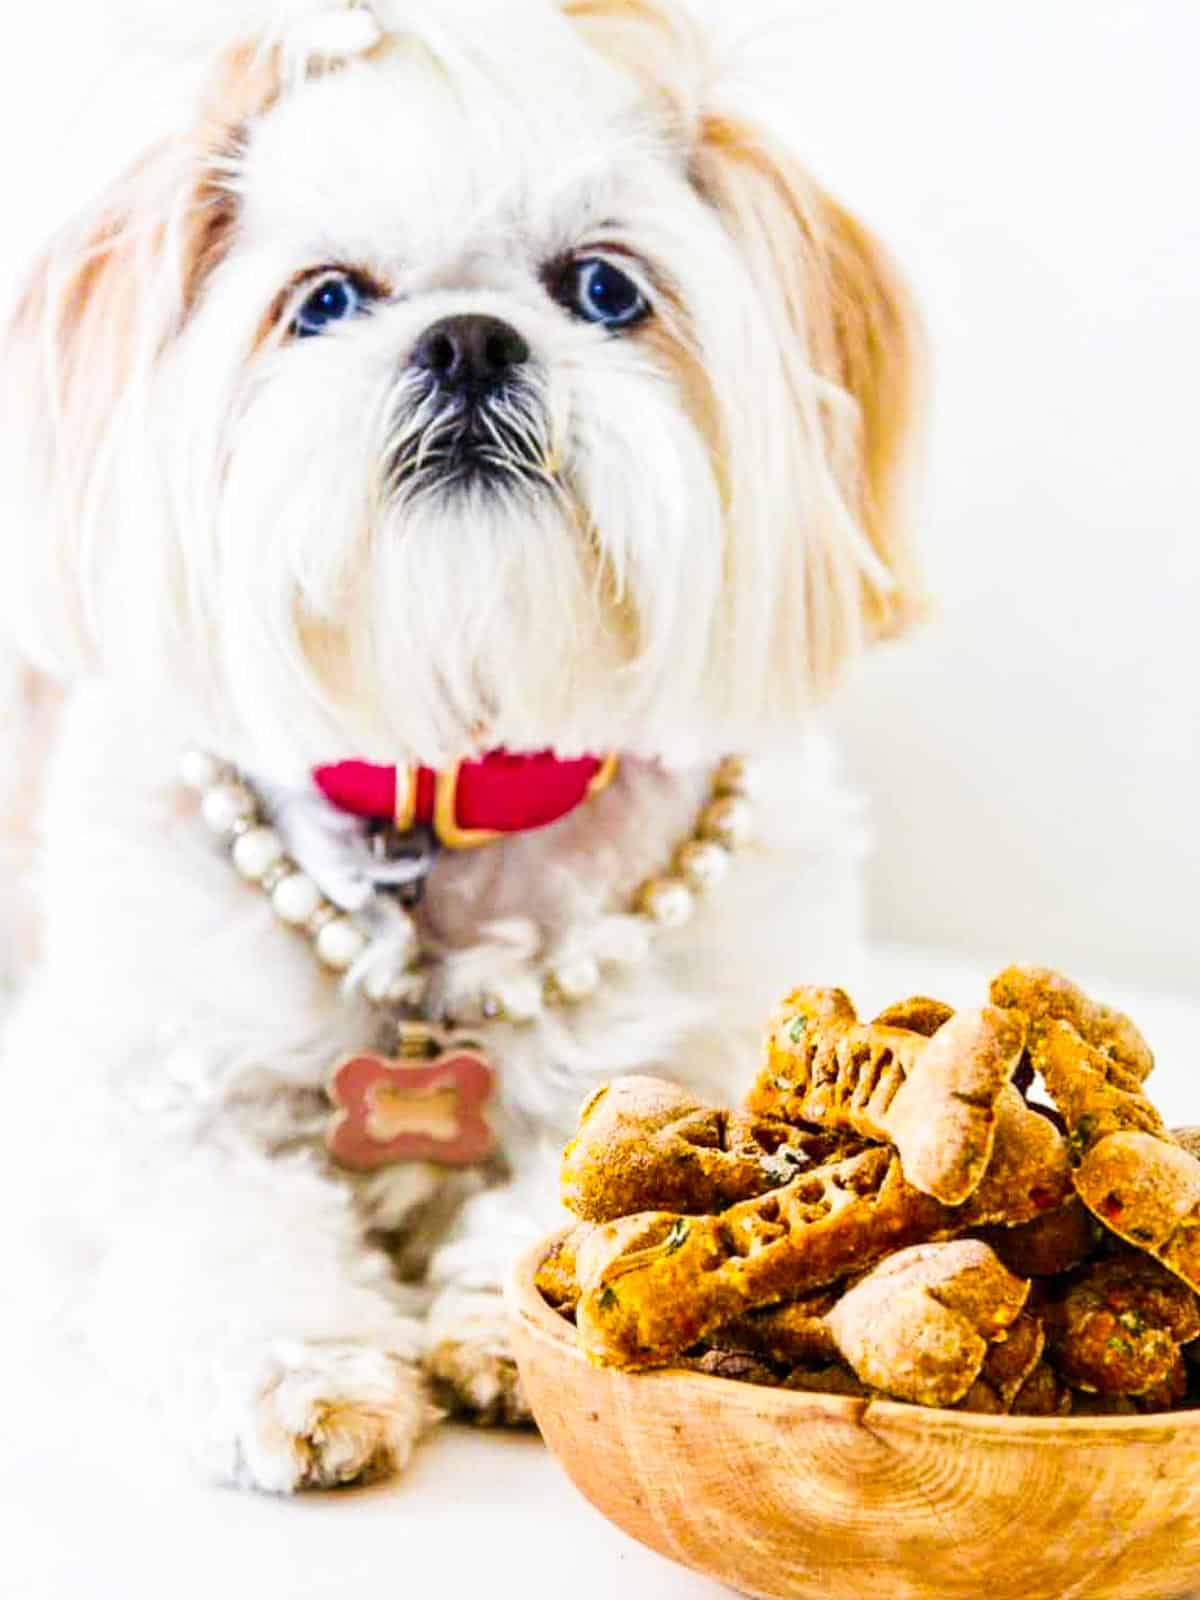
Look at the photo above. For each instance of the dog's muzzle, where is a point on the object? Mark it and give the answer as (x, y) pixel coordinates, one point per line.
(471, 411)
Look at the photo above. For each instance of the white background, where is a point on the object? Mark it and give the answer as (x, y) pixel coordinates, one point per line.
(1034, 757)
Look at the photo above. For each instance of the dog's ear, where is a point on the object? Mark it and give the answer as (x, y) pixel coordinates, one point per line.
(844, 318)
(839, 357)
(100, 307)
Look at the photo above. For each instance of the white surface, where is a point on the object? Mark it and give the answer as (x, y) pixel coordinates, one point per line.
(477, 1515)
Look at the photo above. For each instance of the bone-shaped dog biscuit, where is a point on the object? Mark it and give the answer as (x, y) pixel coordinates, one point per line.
(654, 1285)
(1029, 1173)
(1029, 1159)
(1096, 1095)
(933, 1098)
(919, 1326)
(799, 1338)
(1129, 1172)
(1044, 996)
(646, 1145)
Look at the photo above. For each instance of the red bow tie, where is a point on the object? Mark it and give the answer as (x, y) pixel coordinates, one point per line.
(473, 803)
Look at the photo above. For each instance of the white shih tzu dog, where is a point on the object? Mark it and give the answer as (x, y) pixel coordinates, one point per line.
(461, 438)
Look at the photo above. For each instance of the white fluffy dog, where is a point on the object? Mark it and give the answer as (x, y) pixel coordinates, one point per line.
(458, 379)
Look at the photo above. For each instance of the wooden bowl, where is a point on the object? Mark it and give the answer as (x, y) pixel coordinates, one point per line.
(792, 1496)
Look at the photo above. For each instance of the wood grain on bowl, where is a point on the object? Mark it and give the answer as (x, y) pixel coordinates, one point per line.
(791, 1496)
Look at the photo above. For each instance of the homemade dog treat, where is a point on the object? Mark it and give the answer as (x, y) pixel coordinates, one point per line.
(1129, 1170)
(736, 1365)
(1095, 1094)
(1029, 1174)
(654, 1284)
(1043, 1394)
(918, 1014)
(1147, 1191)
(800, 1243)
(829, 1380)
(934, 1099)
(1007, 1367)
(1118, 1326)
(919, 1326)
(1014, 1378)
(795, 1334)
(1044, 996)
(558, 1275)
(647, 1145)
(1049, 1245)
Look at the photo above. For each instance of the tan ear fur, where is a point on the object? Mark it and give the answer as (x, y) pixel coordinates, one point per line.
(836, 298)
(881, 361)
(848, 309)
(86, 295)
(109, 294)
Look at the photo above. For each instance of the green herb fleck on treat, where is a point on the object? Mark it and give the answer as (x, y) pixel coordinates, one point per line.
(608, 1298)
(797, 1029)
(1082, 1137)
(1119, 1344)
(677, 1236)
(1132, 1321)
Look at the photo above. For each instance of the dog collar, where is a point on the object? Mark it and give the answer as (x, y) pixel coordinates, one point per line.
(474, 802)
(428, 1102)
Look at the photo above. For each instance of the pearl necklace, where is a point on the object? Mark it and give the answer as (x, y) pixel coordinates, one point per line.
(236, 815)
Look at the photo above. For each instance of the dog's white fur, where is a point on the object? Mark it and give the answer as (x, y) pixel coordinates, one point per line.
(196, 521)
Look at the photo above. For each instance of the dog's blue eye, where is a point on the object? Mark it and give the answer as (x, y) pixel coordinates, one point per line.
(603, 293)
(335, 299)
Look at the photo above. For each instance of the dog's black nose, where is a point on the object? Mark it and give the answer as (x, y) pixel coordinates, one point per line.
(470, 353)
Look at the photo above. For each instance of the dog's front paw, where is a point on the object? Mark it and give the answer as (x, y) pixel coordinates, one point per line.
(325, 1415)
(470, 1366)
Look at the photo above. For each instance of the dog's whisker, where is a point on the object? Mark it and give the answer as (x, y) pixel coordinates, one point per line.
(431, 444)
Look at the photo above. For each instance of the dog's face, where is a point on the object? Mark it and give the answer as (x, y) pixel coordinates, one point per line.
(478, 388)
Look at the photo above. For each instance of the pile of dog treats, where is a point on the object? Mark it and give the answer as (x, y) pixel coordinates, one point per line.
(899, 1212)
